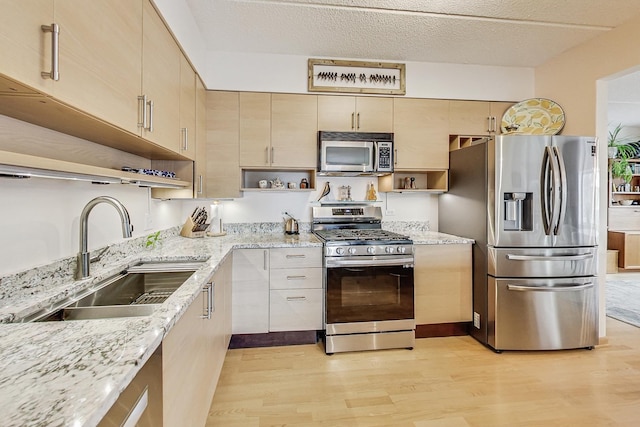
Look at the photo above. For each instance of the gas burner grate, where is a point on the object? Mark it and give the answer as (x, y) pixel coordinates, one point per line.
(360, 234)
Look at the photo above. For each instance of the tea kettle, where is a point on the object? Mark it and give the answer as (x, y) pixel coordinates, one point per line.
(291, 225)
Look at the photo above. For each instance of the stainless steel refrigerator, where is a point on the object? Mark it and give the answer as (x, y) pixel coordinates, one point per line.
(530, 203)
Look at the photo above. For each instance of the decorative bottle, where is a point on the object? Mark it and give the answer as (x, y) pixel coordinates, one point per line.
(371, 192)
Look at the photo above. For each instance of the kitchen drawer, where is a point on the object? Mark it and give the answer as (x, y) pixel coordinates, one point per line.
(296, 257)
(296, 310)
(624, 218)
(296, 278)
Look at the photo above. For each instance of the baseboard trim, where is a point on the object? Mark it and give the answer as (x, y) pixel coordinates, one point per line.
(273, 339)
(442, 330)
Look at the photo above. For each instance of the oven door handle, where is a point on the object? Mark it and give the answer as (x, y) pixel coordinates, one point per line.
(369, 261)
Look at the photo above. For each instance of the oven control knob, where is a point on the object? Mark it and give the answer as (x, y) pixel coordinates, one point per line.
(339, 251)
(402, 249)
(352, 250)
(389, 249)
(371, 249)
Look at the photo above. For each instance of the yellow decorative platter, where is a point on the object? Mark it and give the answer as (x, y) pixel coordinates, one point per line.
(535, 116)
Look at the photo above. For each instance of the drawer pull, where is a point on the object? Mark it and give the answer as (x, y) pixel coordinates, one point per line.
(296, 298)
(296, 277)
(296, 256)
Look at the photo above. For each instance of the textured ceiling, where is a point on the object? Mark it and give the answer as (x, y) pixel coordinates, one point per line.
(488, 32)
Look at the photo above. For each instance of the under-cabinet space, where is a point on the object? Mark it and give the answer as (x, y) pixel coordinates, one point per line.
(436, 181)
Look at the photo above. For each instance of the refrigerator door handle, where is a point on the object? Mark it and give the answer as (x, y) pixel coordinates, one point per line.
(546, 204)
(522, 288)
(577, 257)
(562, 190)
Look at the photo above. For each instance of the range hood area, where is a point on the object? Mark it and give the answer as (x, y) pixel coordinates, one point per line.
(21, 166)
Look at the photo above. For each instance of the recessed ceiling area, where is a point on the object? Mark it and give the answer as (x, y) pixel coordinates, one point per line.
(518, 33)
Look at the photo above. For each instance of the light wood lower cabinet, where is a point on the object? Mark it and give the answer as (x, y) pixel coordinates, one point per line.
(443, 284)
(193, 353)
(276, 290)
(296, 293)
(628, 245)
(250, 291)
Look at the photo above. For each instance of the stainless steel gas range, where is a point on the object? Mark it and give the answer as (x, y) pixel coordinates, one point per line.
(369, 290)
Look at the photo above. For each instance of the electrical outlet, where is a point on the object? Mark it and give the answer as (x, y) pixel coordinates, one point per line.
(390, 212)
(476, 320)
(148, 222)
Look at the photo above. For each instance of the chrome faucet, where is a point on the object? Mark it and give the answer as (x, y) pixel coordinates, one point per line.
(84, 258)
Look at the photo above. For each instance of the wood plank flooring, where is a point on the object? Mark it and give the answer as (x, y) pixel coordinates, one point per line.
(443, 382)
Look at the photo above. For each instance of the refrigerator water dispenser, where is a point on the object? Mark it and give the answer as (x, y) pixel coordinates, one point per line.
(518, 211)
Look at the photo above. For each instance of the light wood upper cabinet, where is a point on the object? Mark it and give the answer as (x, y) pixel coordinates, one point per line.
(294, 130)
(222, 161)
(160, 81)
(255, 129)
(476, 117)
(355, 114)
(421, 138)
(187, 109)
(100, 46)
(25, 50)
(200, 164)
(100, 51)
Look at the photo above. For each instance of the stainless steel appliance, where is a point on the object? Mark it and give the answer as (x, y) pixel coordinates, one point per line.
(369, 291)
(355, 153)
(530, 202)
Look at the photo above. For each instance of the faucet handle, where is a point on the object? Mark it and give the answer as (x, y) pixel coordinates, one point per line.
(98, 257)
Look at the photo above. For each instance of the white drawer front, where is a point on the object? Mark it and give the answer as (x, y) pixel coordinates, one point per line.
(296, 278)
(296, 257)
(295, 310)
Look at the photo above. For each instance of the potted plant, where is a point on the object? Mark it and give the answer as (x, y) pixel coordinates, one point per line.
(622, 149)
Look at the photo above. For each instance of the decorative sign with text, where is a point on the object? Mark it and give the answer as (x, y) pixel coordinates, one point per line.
(329, 75)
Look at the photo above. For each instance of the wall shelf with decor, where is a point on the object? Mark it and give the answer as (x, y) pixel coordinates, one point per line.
(251, 179)
(430, 181)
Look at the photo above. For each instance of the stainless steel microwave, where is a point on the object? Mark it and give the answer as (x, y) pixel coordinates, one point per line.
(355, 153)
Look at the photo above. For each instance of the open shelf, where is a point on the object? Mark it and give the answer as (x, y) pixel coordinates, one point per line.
(251, 177)
(432, 181)
(457, 142)
(16, 165)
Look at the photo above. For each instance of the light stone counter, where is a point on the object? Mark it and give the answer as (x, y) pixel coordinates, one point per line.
(71, 373)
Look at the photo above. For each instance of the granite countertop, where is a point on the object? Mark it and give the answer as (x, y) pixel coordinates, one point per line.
(71, 373)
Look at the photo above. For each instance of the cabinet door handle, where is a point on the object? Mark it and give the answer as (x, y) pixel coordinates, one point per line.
(200, 184)
(54, 74)
(185, 139)
(302, 298)
(273, 156)
(150, 103)
(142, 111)
(266, 156)
(296, 277)
(209, 290)
(296, 256)
(395, 157)
(353, 121)
(265, 260)
(358, 121)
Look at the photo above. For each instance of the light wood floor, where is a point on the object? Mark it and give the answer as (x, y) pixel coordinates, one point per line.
(443, 382)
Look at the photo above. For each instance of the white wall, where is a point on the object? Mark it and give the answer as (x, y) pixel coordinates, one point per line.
(39, 219)
(288, 73)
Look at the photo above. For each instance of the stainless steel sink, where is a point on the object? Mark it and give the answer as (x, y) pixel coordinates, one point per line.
(136, 291)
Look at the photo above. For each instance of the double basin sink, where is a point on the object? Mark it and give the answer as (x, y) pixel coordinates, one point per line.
(136, 291)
